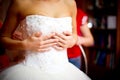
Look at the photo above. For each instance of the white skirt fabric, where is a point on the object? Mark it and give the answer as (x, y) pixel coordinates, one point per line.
(22, 72)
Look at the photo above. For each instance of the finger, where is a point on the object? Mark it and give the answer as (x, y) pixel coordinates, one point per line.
(61, 40)
(62, 44)
(58, 48)
(48, 36)
(47, 45)
(37, 34)
(49, 41)
(40, 49)
(67, 33)
(43, 50)
(60, 36)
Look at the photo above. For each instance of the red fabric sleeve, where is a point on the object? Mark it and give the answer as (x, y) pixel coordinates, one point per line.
(81, 19)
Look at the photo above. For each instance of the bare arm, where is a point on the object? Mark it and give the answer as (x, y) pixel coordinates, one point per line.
(8, 27)
(86, 39)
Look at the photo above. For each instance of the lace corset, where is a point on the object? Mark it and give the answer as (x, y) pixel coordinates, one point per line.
(36, 23)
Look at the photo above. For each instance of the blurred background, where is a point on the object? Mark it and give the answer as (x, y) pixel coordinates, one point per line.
(103, 56)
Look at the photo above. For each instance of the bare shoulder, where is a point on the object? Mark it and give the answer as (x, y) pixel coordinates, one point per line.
(71, 3)
(19, 3)
(72, 6)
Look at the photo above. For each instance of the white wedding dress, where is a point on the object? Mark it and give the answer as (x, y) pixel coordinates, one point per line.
(50, 65)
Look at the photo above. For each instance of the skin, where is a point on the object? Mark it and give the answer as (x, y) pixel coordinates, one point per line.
(19, 9)
(86, 39)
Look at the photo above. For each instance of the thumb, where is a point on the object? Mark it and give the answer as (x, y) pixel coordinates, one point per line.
(67, 33)
(37, 34)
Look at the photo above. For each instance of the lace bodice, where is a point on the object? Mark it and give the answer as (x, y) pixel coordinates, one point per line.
(46, 25)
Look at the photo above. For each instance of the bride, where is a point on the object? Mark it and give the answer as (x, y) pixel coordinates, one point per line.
(47, 28)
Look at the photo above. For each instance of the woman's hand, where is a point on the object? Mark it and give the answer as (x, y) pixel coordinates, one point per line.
(37, 42)
(66, 40)
(40, 43)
